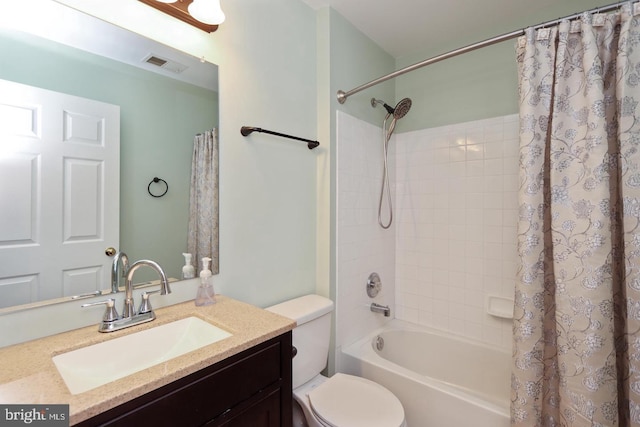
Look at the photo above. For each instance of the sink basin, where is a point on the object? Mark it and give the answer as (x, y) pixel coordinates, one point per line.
(98, 364)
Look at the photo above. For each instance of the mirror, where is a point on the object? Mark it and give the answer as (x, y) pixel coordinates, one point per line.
(163, 103)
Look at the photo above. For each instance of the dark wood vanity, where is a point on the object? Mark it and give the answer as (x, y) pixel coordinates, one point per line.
(249, 389)
(241, 380)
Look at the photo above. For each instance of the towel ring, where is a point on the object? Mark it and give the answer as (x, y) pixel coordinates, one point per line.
(156, 180)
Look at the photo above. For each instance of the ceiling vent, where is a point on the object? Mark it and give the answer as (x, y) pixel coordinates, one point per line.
(167, 64)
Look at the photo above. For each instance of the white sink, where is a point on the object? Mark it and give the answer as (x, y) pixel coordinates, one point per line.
(98, 364)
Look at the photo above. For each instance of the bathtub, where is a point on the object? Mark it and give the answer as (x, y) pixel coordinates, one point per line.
(441, 380)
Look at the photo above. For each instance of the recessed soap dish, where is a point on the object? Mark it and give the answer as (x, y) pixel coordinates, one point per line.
(499, 306)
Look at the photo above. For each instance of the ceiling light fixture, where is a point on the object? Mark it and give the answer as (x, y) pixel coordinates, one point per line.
(203, 14)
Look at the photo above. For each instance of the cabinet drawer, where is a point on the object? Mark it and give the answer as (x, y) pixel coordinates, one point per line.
(204, 395)
(263, 413)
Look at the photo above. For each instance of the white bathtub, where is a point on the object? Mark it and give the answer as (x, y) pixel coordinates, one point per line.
(441, 380)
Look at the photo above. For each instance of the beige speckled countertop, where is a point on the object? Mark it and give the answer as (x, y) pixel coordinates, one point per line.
(29, 376)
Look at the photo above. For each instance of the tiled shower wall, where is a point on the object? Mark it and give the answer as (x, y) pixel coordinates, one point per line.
(456, 215)
(452, 244)
(453, 240)
(362, 246)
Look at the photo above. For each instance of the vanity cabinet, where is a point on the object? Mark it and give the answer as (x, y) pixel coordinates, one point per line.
(249, 389)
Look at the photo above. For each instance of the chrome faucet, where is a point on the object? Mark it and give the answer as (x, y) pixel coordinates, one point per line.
(377, 308)
(111, 321)
(118, 259)
(129, 309)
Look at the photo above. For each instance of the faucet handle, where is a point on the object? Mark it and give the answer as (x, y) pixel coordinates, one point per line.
(145, 304)
(110, 313)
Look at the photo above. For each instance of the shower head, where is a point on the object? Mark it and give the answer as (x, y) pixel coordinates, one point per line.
(401, 109)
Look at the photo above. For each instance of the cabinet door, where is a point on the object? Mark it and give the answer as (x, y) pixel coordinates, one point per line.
(208, 396)
(252, 388)
(264, 413)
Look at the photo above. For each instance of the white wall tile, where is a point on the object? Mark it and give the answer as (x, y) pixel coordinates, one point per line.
(472, 219)
(363, 246)
(453, 239)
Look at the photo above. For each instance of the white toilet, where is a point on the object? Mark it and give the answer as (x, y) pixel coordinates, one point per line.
(342, 400)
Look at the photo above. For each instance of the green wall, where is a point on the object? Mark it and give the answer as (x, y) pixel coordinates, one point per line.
(473, 86)
(356, 59)
(345, 57)
(267, 57)
(266, 53)
(268, 205)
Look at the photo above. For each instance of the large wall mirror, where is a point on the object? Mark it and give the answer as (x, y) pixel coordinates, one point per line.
(164, 98)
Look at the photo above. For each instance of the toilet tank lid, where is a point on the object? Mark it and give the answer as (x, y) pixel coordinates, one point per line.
(303, 309)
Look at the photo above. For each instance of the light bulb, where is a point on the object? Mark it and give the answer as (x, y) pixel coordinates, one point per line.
(207, 11)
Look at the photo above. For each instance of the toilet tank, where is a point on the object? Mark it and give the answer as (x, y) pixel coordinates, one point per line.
(311, 335)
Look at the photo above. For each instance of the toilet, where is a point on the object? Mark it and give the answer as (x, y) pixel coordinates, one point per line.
(342, 400)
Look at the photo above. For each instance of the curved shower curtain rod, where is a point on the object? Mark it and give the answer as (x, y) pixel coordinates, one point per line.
(342, 95)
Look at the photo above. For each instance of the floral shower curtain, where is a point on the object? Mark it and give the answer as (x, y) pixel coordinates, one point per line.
(202, 240)
(576, 354)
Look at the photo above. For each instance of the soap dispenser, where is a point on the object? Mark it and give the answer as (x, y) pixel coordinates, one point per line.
(205, 294)
(188, 271)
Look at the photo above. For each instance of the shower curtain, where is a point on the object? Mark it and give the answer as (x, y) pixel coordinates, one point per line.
(576, 354)
(202, 239)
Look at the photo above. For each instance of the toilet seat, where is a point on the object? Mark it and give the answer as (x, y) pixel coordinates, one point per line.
(346, 400)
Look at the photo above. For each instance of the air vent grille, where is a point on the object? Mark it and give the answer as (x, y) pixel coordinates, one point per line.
(164, 63)
(154, 60)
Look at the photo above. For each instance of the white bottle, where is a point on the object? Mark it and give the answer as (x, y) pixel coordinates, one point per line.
(205, 295)
(188, 271)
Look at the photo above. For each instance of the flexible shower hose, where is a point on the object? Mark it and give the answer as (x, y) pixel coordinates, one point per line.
(386, 136)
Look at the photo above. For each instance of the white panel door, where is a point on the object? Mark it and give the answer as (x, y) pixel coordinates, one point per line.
(59, 193)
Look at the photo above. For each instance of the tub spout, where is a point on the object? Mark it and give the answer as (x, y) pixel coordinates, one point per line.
(377, 308)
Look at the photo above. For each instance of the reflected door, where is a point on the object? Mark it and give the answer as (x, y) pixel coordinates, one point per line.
(59, 193)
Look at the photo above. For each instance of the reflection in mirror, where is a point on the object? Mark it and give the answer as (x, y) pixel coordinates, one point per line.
(162, 99)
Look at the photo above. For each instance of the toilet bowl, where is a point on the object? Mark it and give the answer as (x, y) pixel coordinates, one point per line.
(346, 400)
(342, 400)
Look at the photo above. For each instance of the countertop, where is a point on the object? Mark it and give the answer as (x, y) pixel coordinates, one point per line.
(29, 376)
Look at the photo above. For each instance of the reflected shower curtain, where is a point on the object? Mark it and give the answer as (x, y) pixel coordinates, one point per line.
(576, 354)
(202, 240)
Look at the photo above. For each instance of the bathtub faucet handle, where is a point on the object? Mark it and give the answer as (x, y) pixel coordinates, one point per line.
(377, 308)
